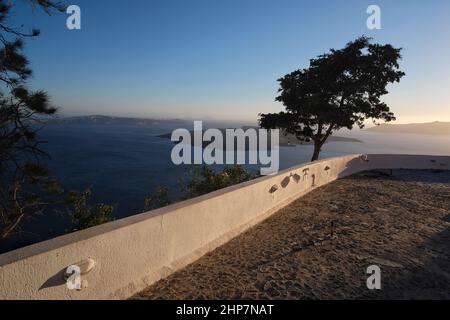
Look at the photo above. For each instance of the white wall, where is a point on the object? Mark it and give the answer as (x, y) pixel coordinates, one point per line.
(134, 252)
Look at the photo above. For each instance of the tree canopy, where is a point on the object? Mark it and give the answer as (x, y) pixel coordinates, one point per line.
(23, 181)
(340, 89)
(19, 106)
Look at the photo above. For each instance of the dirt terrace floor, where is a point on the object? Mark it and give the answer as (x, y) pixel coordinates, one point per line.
(319, 247)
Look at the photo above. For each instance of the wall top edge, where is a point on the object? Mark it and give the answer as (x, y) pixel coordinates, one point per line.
(82, 235)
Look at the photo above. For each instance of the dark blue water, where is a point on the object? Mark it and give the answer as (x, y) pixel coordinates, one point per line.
(123, 164)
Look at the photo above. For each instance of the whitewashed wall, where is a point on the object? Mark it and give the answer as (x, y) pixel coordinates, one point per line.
(134, 252)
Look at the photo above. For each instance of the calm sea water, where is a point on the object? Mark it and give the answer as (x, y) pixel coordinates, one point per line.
(123, 164)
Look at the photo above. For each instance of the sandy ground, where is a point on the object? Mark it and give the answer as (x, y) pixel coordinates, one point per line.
(320, 246)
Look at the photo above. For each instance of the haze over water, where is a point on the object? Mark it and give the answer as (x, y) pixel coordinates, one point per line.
(122, 164)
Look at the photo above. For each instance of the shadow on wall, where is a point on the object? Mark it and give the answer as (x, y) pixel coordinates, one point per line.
(54, 281)
(359, 164)
(353, 166)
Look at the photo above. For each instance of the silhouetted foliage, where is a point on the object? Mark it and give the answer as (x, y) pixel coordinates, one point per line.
(159, 198)
(83, 214)
(26, 196)
(201, 180)
(25, 185)
(204, 180)
(340, 89)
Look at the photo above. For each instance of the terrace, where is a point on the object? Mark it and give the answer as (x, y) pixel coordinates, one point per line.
(319, 246)
(309, 231)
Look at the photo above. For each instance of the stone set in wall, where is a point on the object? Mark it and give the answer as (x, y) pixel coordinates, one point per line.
(125, 256)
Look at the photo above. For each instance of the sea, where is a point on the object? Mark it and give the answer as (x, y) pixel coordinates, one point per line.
(122, 164)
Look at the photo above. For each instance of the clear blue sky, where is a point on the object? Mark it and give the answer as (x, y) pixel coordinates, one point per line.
(215, 59)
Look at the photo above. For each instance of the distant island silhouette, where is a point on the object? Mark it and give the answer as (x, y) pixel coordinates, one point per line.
(111, 120)
(433, 128)
(286, 139)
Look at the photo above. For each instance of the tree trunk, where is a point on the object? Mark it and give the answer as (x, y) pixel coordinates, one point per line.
(316, 153)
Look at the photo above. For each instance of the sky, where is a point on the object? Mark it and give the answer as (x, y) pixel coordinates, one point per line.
(220, 59)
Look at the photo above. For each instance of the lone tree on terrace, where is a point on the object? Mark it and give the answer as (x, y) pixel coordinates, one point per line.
(340, 89)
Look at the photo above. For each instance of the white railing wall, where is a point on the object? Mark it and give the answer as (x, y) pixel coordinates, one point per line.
(132, 253)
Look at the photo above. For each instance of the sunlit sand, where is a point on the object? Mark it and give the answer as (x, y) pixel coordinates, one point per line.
(320, 245)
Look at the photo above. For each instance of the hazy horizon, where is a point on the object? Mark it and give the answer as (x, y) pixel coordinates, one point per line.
(220, 60)
(368, 124)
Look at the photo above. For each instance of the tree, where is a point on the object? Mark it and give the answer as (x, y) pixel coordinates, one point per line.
(204, 180)
(83, 214)
(31, 193)
(340, 89)
(23, 179)
(20, 108)
(26, 187)
(201, 180)
(159, 198)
